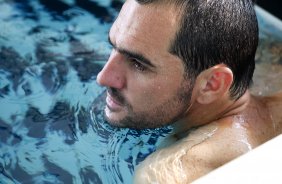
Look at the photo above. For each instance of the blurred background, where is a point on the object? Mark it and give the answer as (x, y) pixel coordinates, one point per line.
(272, 6)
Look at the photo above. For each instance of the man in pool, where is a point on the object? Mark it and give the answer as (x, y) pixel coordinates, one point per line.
(188, 63)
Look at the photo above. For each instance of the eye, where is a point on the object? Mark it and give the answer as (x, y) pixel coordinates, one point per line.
(137, 65)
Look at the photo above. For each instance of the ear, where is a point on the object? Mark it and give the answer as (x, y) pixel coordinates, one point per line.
(213, 84)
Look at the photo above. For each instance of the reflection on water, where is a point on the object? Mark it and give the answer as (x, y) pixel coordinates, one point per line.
(51, 119)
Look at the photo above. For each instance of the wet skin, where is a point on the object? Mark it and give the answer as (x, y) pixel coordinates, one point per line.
(147, 88)
(146, 83)
(214, 144)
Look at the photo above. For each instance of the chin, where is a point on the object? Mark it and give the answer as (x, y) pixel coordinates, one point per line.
(114, 119)
(115, 123)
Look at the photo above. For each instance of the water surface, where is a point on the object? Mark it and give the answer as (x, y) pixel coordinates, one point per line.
(51, 119)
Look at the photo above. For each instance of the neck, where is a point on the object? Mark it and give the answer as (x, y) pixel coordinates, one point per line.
(203, 114)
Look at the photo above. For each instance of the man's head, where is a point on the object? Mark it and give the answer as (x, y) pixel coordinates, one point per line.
(161, 47)
(213, 32)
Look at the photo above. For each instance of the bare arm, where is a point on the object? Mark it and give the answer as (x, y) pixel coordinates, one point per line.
(191, 158)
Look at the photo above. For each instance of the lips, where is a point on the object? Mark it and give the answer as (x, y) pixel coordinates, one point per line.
(113, 104)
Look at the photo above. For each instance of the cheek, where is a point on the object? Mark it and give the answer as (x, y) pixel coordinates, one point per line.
(146, 94)
(150, 95)
(147, 91)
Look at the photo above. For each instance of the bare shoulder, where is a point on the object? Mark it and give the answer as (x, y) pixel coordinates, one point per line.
(202, 151)
(276, 97)
(274, 104)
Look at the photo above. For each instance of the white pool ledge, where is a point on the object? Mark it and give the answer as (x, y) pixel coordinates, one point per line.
(263, 165)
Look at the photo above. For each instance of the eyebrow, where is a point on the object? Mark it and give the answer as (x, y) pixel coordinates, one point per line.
(141, 58)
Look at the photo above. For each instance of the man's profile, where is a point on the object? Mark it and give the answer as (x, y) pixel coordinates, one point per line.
(188, 63)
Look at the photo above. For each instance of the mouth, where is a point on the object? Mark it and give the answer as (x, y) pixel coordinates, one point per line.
(113, 104)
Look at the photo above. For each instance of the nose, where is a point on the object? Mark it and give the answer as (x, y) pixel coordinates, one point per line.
(113, 74)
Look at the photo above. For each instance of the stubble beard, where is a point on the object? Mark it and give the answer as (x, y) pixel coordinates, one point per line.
(164, 114)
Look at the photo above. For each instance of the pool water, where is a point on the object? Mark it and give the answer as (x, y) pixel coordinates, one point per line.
(51, 108)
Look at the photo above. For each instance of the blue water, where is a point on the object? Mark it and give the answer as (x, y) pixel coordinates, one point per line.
(51, 109)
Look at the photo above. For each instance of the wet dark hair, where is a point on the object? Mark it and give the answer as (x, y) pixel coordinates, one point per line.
(212, 32)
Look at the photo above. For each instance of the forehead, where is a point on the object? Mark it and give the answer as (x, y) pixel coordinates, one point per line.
(145, 26)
